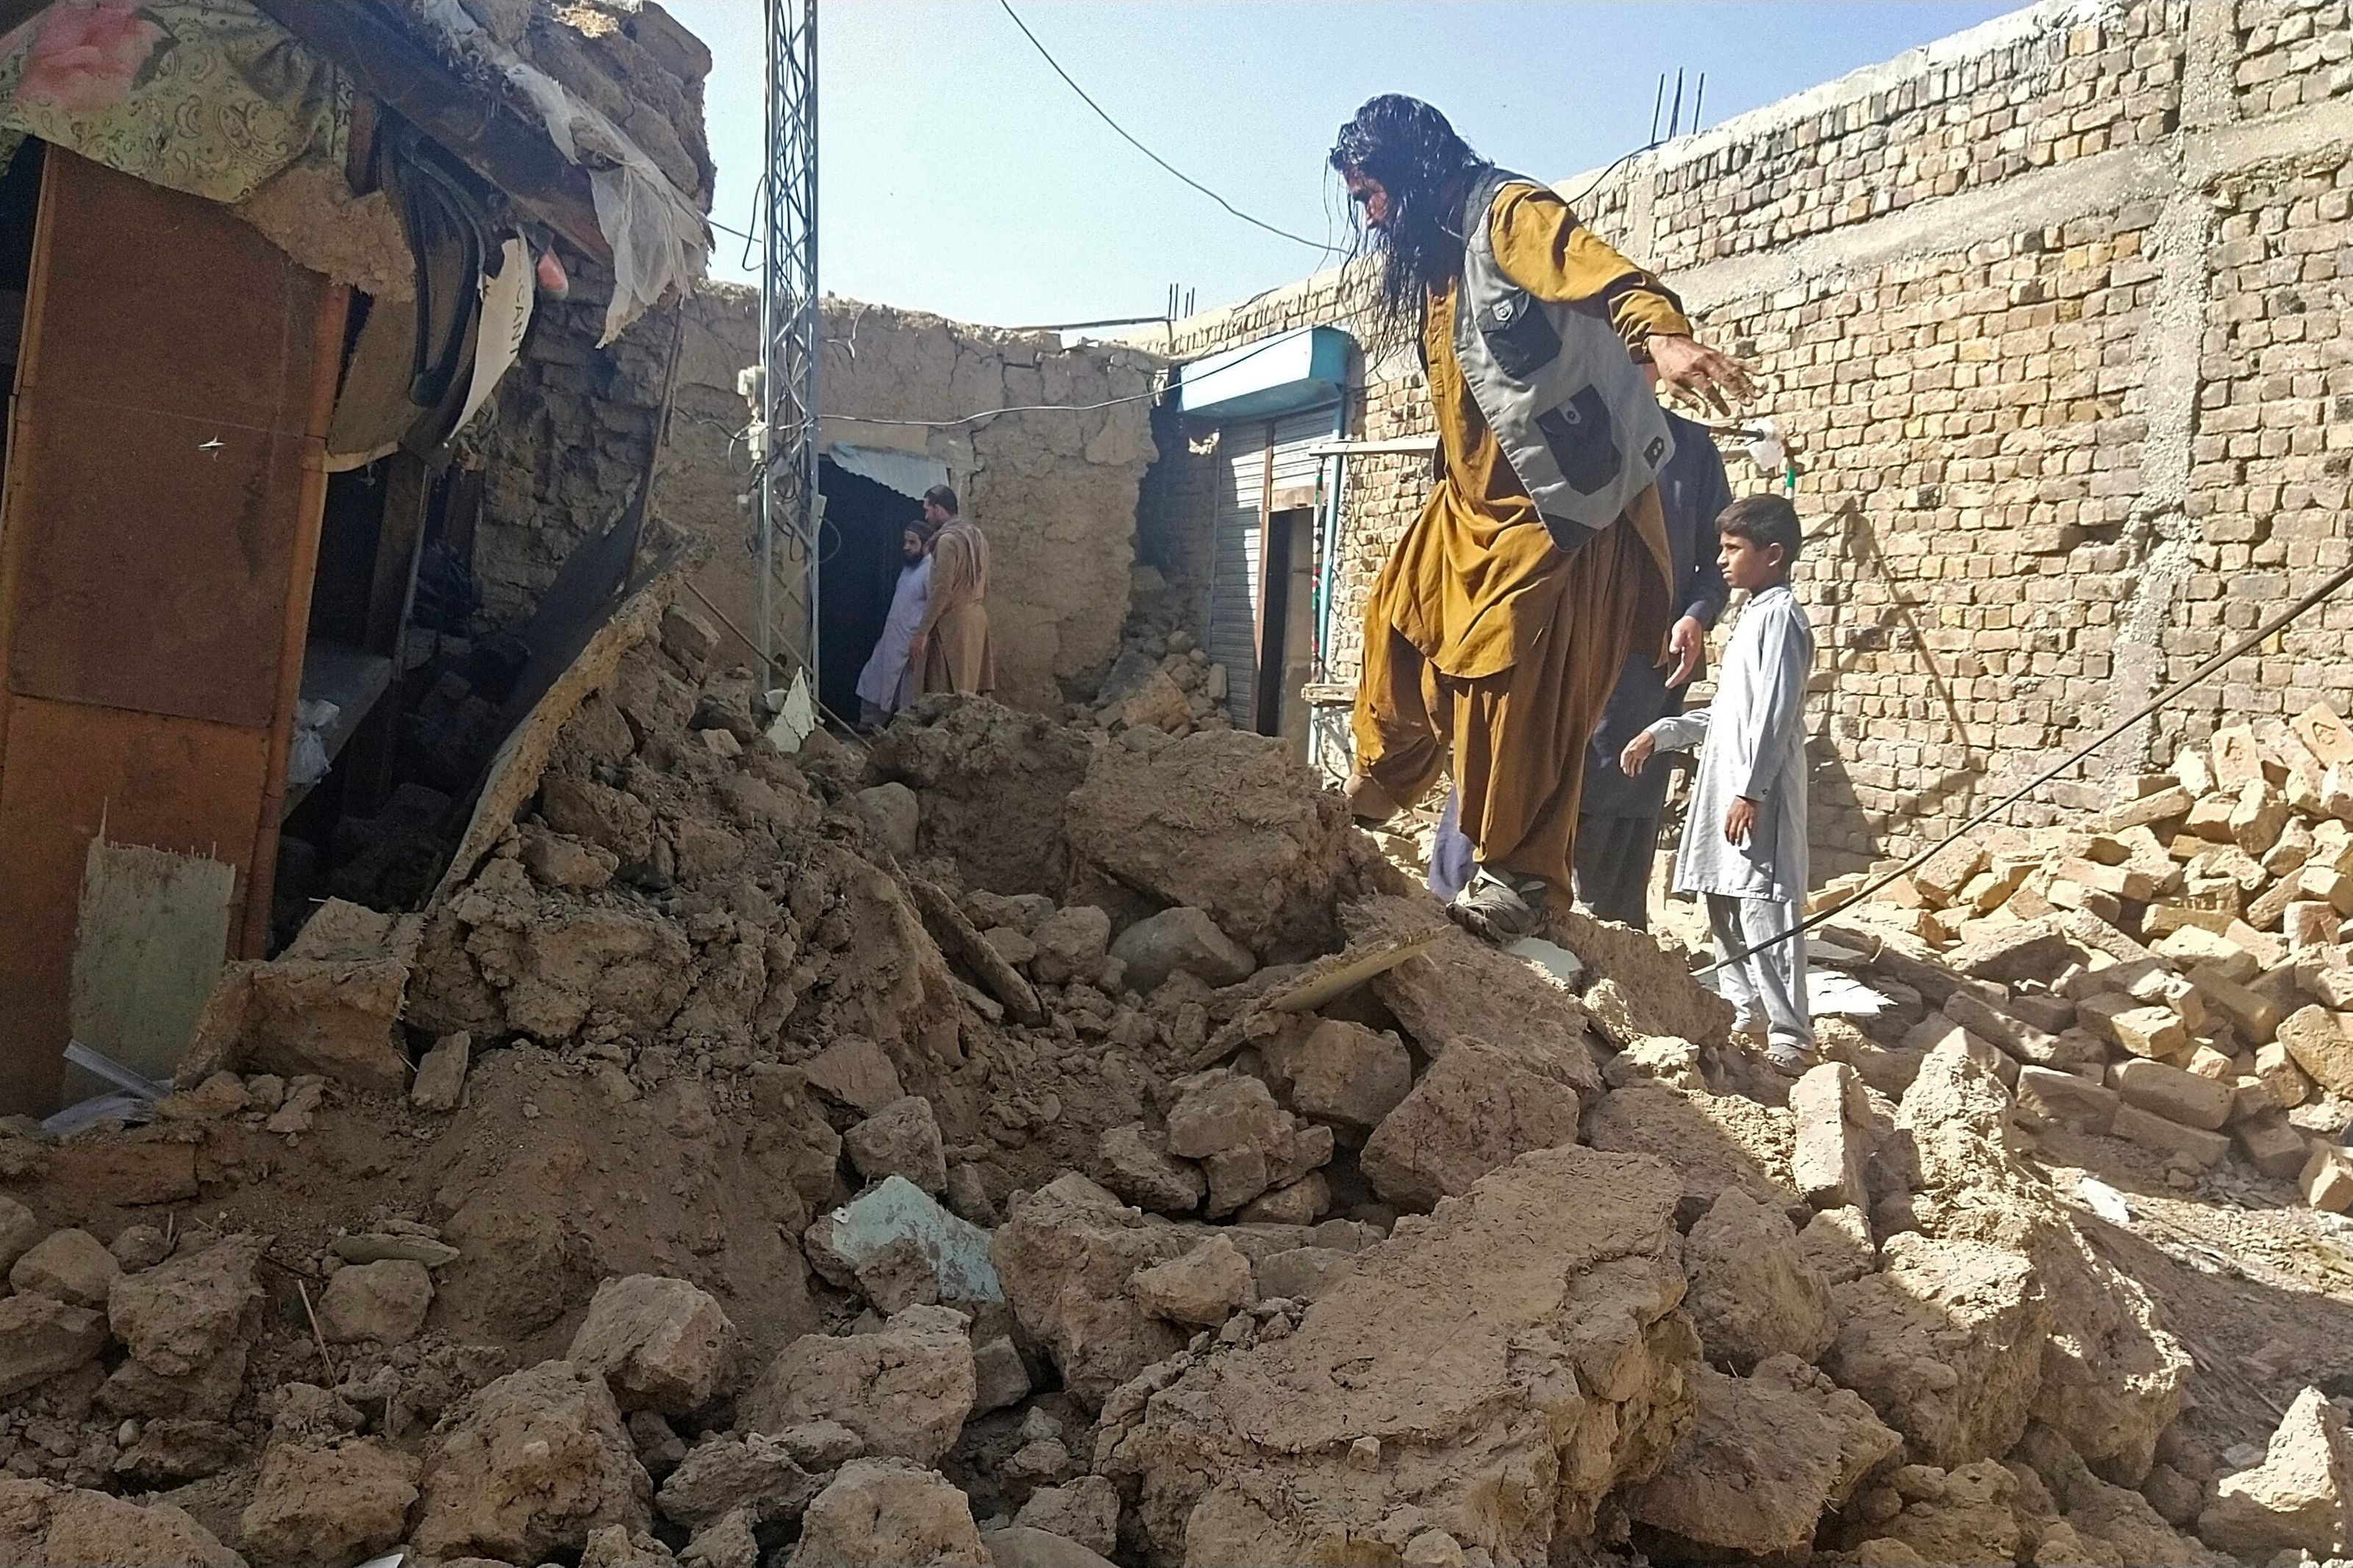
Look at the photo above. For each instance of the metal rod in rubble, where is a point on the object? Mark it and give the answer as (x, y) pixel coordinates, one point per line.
(2337, 579)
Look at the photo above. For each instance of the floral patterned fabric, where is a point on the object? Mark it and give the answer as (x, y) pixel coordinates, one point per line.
(208, 97)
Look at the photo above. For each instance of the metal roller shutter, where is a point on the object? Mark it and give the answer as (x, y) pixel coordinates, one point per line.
(1259, 459)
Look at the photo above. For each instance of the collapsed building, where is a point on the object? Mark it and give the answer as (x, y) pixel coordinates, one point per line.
(1046, 1131)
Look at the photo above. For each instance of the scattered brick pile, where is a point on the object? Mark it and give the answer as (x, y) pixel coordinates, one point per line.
(2177, 972)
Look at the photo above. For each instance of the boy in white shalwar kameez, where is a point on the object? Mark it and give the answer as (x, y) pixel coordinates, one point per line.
(1745, 840)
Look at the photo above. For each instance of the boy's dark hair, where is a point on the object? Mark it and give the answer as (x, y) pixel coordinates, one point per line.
(942, 498)
(1764, 520)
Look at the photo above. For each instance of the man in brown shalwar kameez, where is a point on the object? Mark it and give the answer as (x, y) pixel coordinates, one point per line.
(1495, 632)
(951, 647)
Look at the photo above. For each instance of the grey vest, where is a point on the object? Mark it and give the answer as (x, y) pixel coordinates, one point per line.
(1566, 402)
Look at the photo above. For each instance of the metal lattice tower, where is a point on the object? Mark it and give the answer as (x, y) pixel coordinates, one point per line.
(789, 508)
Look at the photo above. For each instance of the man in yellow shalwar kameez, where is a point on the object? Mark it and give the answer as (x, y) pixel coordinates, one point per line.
(1495, 632)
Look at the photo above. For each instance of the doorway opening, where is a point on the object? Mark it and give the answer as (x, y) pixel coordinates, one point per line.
(858, 568)
(1286, 654)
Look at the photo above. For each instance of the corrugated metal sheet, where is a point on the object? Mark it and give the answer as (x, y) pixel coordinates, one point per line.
(1238, 589)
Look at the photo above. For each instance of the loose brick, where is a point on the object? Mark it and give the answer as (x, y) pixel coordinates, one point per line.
(2191, 1145)
(2176, 1095)
(2065, 1097)
(2320, 1046)
(2272, 1145)
(2326, 1179)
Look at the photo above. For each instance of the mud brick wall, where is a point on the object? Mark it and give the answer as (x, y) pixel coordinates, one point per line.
(2055, 314)
(1054, 489)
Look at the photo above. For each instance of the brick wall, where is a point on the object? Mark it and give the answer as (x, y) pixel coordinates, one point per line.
(2055, 314)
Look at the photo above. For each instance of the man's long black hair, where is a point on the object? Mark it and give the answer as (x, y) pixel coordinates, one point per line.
(1415, 155)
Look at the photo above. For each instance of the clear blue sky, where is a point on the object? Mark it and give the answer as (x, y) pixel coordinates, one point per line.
(958, 175)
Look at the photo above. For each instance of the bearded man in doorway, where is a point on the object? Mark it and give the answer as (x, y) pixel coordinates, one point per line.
(1496, 630)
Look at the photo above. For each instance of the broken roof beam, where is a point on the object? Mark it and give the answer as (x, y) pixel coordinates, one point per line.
(497, 141)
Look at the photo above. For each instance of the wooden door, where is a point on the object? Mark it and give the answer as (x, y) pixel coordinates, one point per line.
(157, 540)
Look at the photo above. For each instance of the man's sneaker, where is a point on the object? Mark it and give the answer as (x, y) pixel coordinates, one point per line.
(1500, 907)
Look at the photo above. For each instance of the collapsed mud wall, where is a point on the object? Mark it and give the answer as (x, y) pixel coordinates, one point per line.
(1055, 491)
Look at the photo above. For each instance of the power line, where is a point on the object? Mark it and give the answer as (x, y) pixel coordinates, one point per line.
(1104, 116)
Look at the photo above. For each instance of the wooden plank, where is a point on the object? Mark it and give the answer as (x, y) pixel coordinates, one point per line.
(502, 142)
(180, 784)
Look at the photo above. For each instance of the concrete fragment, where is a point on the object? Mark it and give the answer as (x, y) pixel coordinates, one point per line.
(1182, 938)
(902, 1140)
(728, 1543)
(1071, 945)
(663, 1344)
(887, 1513)
(1246, 1142)
(755, 1473)
(1200, 1289)
(176, 1317)
(855, 1072)
(532, 1464)
(1343, 1072)
(1301, 1273)
(384, 1302)
(1963, 1515)
(689, 639)
(337, 1504)
(953, 1252)
(1827, 1161)
(70, 1265)
(1480, 1105)
(999, 1376)
(1300, 1202)
(1946, 1344)
(1065, 1255)
(1230, 823)
(1136, 1165)
(905, 1390)
(42, 1524)
(1836, 1244)
(441, 1076)
(1752, 1296)
(560, 861)
(20, 1228)
(1085, 1511)
(2296, 1499)
(1554, 1356)
(893, 815)
(1765, 1458)
(1711, 1141)
(40, 1338)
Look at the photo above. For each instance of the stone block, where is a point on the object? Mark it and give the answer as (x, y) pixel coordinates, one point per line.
(2273, 1145)
(2326, 1179)
(2316, 1041)
(663, 1344)
(1826, 1164)
(2176, 1095)
(2067, 1099)
(2193, 1146)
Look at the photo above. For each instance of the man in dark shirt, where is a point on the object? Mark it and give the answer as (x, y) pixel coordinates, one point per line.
(1618, 819)
(1618, 828)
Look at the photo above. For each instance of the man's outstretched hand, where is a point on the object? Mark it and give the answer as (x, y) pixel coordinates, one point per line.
(1701, 374)
(1637, 755)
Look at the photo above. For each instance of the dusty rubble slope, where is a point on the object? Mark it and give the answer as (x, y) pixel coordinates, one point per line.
(756, 1160)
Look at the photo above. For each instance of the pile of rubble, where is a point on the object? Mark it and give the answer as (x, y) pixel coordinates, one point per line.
(2175, 974)
(1163, 681)
(1028, 1146)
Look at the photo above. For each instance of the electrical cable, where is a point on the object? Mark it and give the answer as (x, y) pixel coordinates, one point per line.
(2195, 677)
(1104, 116)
